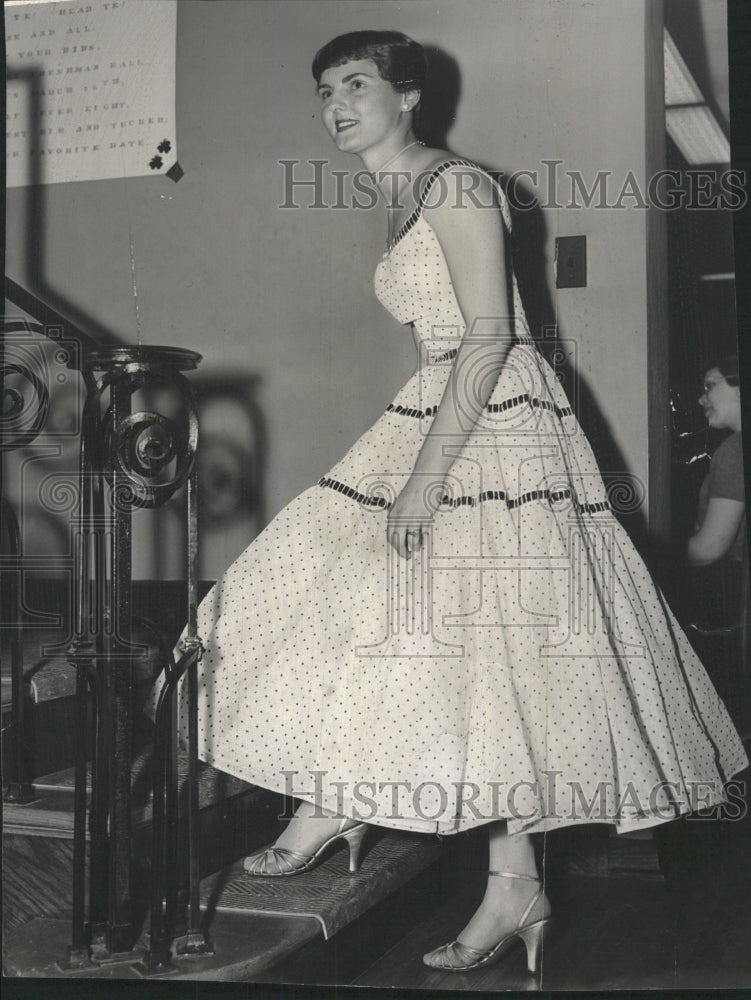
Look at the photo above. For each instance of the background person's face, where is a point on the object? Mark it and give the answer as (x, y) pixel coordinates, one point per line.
(720, 401)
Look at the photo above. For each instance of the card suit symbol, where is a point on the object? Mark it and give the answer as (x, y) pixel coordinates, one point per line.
(164, 146)
(156, 163)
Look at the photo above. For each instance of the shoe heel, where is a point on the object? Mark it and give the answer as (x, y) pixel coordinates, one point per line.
(532, 937)
(355, 837)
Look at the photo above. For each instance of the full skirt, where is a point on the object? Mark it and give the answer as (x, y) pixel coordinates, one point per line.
(521, 666)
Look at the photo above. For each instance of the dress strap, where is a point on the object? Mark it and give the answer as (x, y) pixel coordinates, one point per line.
(447, 165)
(527, 878)
(435, 173)
(432, 177)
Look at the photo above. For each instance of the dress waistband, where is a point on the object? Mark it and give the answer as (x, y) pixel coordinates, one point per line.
(444, 356)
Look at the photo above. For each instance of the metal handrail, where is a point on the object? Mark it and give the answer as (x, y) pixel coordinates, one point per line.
(122, 458)
(19, 788)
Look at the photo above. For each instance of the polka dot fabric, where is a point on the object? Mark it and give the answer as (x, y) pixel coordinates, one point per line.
(521, 666)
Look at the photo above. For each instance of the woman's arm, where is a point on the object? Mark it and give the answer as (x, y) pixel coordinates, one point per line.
(717, 533)
(472, 240)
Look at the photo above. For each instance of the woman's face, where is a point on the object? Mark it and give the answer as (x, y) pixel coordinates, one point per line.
(720, 401)
(359, 109)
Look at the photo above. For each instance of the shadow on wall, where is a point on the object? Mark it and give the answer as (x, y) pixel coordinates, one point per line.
(232, 458)
(231, 462)
(438, 110)
(35, 264)
(440, 99)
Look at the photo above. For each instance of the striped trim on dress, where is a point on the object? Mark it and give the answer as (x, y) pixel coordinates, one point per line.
(469, 501)
(534, 401)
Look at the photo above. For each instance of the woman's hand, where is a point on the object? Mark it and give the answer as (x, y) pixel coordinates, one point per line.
(410, 517)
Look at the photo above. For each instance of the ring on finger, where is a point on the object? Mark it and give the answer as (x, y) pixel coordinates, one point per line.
(407, 536)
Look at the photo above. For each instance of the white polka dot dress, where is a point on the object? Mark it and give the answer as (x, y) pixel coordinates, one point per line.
(521, 666)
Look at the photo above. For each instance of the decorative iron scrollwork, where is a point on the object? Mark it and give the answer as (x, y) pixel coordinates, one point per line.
(23, 416)
(145, 445)
(155, 453)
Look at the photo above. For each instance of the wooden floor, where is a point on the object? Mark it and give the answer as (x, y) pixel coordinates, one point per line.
(36, 879)
(690, 929)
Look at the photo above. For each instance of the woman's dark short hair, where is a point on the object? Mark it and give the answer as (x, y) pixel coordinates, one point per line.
(728, 367)
(399, 59)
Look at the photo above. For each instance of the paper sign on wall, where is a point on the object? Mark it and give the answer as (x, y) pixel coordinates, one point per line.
(91, 89)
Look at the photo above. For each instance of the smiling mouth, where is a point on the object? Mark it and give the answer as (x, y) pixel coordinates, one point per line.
(346, 123)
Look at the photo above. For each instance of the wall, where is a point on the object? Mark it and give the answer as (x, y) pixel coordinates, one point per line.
(281, 301)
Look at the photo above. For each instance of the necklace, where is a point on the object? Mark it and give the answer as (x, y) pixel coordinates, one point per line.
(416, 142)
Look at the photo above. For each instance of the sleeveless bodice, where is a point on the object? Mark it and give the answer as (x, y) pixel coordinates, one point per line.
(413, 283)
(412, 280)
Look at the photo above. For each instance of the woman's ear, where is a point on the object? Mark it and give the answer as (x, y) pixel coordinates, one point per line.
(410, 100)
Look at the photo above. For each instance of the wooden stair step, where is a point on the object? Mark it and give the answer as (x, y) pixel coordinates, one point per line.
(46, 633)
(50, 814)
(328, 893)
(253, 924)
(49, 674)
(46, 669)
(243, 948)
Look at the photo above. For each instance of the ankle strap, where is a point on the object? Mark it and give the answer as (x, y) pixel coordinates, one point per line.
(528, 878)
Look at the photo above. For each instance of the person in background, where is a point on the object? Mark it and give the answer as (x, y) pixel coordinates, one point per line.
(721, 521)
(718, 550)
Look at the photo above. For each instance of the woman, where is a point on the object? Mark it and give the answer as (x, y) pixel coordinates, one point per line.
(407, 643)
(718, 549)
(721, 530)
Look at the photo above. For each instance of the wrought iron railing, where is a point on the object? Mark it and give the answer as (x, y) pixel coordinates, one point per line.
(130, 459)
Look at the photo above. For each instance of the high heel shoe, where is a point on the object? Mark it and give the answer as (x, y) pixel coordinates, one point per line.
(458, 957)
(274, 862)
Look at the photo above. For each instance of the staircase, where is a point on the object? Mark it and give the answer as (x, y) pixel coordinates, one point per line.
(253, 924)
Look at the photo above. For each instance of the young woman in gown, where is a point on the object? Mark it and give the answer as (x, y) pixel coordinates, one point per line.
(452, 619)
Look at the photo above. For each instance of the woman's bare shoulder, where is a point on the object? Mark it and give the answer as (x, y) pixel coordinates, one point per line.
(459, 172)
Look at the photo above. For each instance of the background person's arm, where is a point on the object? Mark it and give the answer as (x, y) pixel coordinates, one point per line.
(717, 533)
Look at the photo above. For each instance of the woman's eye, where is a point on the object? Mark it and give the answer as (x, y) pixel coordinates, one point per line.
(357, 84)
(324, 94)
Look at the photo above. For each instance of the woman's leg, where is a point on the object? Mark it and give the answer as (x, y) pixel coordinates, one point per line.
(310, 827)
(505, 899)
